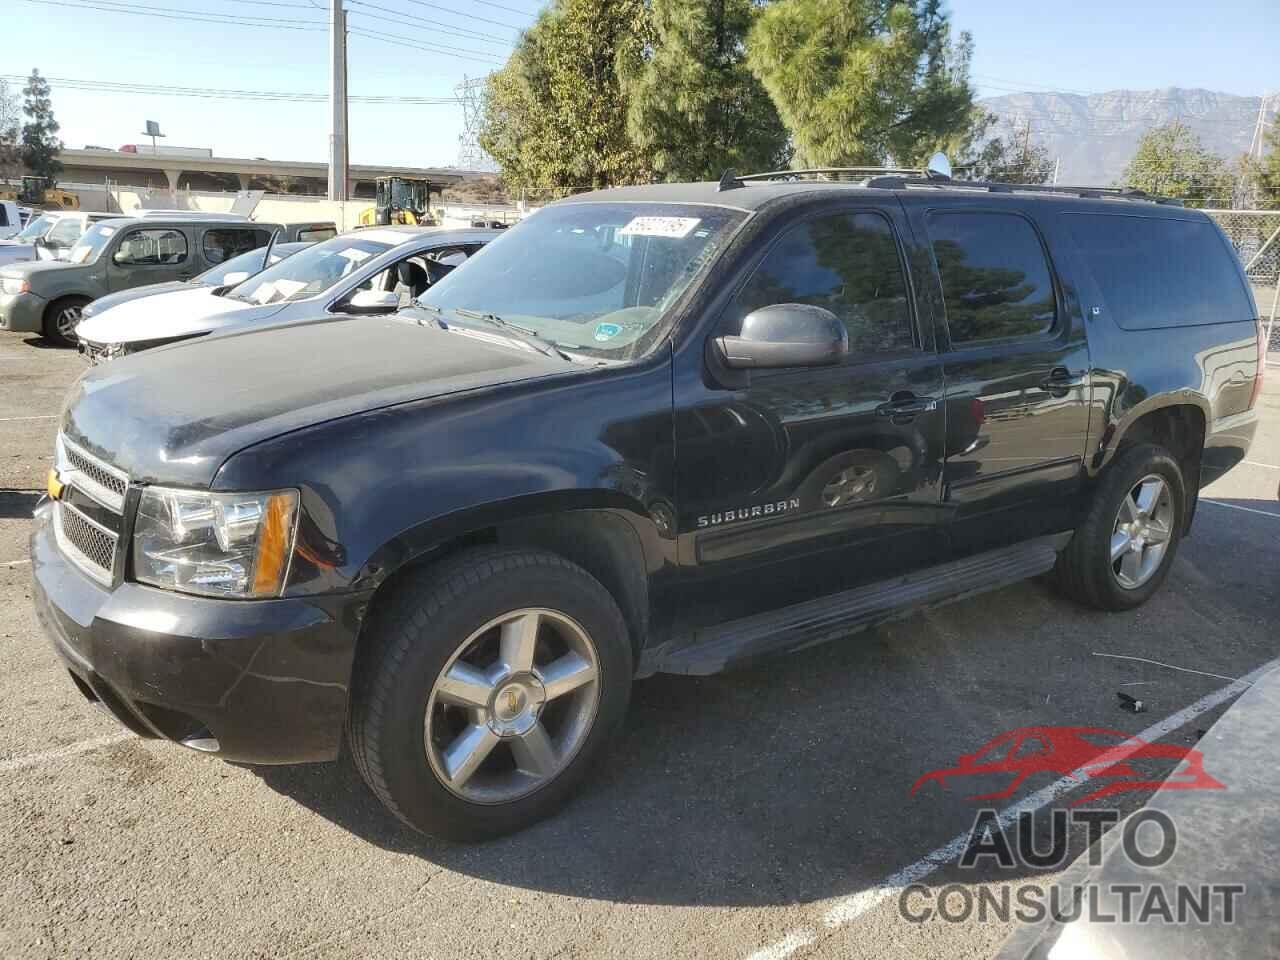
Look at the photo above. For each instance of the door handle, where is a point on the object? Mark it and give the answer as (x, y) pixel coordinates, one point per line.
(1060, 381)
(903, 408)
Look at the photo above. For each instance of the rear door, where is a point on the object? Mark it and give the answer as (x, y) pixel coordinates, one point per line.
(1016, 361)
(810, 481)
(221, 243)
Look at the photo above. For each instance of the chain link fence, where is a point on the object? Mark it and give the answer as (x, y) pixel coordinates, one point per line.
(1256, 236)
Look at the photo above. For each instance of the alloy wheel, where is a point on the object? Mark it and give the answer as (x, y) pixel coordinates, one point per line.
(68, 320)
(850, 484)
(1142, 531)
(512, 706)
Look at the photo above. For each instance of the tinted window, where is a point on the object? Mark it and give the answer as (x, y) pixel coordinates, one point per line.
(848, 264)
(995, 279)
(143, 248)
(227, 242)
(1154, 272)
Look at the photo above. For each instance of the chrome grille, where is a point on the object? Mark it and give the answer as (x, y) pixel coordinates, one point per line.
(90, 545)
(103, 483)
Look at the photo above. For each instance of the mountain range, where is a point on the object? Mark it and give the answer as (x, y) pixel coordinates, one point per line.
(1095, 135)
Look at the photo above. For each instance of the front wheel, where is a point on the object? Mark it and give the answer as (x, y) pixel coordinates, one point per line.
(61, 319)
(1122, 551)
(487, 689)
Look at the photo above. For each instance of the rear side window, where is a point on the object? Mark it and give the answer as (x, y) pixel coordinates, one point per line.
(316, 234)
(148, 248)
(1157, 272)
(995, 278)
(223, 243)
(848, 264)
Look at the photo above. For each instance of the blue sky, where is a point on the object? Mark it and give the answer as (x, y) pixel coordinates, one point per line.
(1084, 45)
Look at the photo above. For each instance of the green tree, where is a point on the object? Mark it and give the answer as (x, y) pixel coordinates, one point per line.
(555, 115)
(1171, 161)
(864, 81)
(1012, 156)
(695, 108)
(40, 143)
(1264, 174)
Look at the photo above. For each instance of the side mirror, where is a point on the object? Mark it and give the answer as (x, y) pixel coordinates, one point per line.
(372, 301)
(236, 276)
(786, 335)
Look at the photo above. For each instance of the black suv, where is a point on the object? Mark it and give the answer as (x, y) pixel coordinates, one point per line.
(668, 428)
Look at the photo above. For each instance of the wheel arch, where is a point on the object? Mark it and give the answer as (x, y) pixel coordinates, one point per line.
(1177, 422)
(606, 535)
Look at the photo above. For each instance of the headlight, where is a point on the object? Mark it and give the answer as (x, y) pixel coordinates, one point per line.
(14, 285)
(218, 544)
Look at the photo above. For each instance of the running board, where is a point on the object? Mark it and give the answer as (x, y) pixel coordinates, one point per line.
(839, 615)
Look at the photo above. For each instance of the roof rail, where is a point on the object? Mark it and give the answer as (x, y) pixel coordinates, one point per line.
(1089, 193)
(854, 174)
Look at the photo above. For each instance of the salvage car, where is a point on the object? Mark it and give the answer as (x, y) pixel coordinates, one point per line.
(48, 297)
(455, 535)
(368, 272)
(49, 236)
(226, 274)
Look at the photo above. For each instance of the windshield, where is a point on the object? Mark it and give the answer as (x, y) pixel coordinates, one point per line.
(249, 263)
(91, 242)
(595, 278)
(309, 273)
(36, 227)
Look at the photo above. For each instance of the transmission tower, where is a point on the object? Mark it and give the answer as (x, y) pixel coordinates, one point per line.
(470, 156)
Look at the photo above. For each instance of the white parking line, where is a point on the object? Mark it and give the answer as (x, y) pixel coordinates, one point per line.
(1236, 506)
(849, 909)
(84, 746)
(51, 416)
(15, 563)
(1259, 463)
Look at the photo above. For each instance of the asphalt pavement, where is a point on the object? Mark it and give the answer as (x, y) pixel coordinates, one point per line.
(765, 812)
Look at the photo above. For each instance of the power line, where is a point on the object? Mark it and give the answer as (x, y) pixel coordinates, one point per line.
(483, 53)
(490, 3)
(190, 16)
(97, 86)
(457, 31)
(387, 38)
(468, 16)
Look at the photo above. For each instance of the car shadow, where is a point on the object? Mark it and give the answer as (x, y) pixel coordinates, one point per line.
(16, 504)
(41, 343)
(785, 783)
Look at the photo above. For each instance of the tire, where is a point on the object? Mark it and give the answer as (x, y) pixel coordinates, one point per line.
(402, 724)
(60, 319)
(1085, 569)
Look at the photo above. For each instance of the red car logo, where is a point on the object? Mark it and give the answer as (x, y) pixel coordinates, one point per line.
(1089, 753)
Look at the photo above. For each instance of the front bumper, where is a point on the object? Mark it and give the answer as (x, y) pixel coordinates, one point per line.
(256, 681)
(22, 312)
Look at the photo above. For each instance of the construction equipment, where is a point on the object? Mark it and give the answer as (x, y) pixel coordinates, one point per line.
(401, 200)
(41, 192)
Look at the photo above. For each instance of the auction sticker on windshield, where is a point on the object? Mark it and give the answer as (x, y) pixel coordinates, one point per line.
(675, 227)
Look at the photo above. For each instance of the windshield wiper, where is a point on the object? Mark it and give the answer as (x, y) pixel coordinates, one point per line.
(430, 308)
(523, 333)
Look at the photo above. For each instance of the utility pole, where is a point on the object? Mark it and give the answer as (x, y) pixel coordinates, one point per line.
(337, 101)
(1258, 143)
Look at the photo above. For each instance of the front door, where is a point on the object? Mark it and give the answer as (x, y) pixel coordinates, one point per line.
(809, 481)
(144, 255)
(1016, 363)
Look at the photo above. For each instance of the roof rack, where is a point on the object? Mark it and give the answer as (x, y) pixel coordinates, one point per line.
(1089, 193)
(848, 174)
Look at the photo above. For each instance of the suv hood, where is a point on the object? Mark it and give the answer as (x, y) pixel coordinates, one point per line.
(32, 268)
(180, 313)
(176, 413)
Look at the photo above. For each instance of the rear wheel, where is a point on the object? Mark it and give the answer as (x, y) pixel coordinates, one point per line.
(488, 688)
(1122, 552)
(61, 319)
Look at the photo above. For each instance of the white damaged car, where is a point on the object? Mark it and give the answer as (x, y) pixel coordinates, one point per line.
(371, 271)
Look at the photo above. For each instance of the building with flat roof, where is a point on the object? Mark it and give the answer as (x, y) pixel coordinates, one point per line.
(164, 170)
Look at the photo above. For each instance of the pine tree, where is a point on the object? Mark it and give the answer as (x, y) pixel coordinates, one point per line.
(864, 81)
(695, 107)
(555, 115)
(40, 143)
